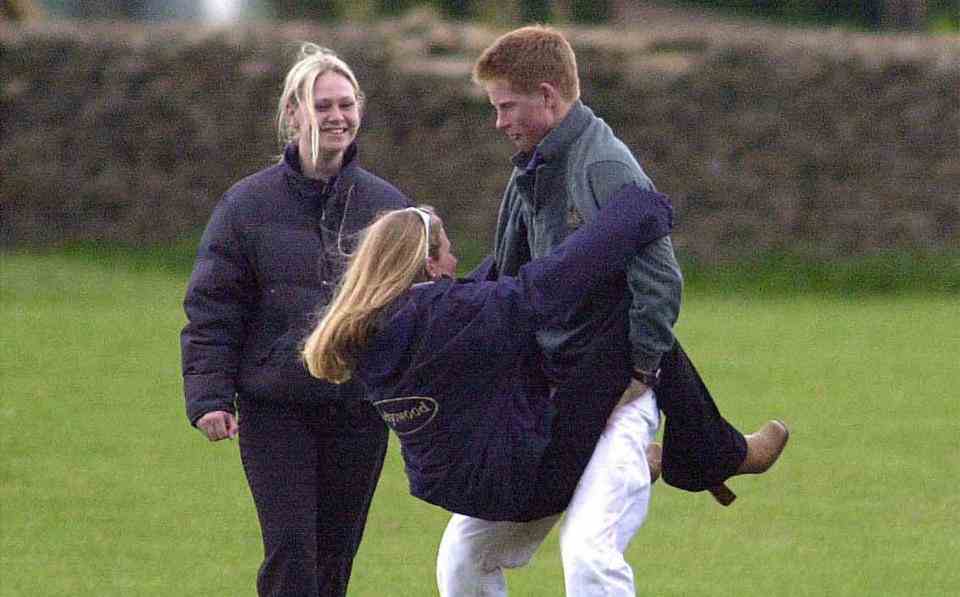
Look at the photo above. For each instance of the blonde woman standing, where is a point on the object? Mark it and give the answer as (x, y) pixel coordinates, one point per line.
(274, 249)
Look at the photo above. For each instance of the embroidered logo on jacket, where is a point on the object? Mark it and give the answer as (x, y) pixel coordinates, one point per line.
(407, 415)
(574, 219)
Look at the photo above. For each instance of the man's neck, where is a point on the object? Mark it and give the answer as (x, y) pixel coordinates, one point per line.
(560, 115)
(562, 110)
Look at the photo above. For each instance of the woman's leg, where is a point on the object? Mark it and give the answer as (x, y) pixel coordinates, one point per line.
(474, 553)
(351, 457)
(701, 449)
(610, 503)
(312, 471)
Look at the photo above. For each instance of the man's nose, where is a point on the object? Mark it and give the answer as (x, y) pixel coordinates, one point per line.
(501, 121)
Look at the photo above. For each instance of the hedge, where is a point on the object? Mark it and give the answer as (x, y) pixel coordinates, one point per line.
(819, 143)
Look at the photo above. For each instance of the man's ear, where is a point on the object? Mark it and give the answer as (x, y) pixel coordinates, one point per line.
(551, 95)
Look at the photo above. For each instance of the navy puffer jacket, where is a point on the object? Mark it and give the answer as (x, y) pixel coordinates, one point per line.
(455, 369)
(270, 256)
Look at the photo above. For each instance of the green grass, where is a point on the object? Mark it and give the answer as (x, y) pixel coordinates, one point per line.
(778, 274)
(105, 490)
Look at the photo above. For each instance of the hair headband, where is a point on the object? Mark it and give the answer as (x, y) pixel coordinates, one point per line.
(425, 217)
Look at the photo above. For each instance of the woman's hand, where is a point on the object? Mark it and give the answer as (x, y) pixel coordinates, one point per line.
(218, 425)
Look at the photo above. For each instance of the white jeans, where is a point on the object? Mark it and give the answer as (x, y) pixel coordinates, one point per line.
(608, 507)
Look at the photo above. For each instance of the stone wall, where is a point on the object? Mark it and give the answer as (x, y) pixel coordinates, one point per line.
(816, 142)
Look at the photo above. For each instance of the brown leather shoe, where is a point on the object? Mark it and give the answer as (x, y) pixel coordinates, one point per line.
(654, 460)
(764, 448)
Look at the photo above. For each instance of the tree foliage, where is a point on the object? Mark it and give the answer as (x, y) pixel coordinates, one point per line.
(868, 14)
(865, 14)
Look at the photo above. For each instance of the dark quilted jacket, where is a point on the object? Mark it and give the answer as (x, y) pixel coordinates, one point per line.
(270, 256)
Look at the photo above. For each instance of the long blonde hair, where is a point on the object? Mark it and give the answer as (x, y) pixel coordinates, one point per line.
(391, 258)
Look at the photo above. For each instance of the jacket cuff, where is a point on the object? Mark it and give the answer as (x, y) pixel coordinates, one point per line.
(196, 411)
(207, 393)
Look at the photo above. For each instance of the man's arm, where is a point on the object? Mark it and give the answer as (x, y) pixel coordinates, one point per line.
(653, 276)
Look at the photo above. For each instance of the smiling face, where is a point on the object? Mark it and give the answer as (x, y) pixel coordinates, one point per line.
(525, 118)
(337, 115)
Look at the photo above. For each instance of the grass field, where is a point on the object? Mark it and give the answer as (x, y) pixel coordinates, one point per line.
(105, 490)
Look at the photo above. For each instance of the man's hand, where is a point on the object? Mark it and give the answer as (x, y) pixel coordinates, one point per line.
(218, 425)
(634, 390)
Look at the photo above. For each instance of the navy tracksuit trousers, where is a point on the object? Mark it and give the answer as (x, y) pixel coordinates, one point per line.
(312, 470)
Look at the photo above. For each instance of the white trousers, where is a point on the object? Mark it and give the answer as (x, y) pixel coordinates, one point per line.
(608, 507)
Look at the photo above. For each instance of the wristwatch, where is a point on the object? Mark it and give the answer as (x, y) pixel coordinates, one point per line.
(648, 378)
